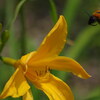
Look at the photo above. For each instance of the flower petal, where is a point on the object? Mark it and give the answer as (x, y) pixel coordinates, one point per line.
(16, 86)
(61, 63)
(68, 64)
(28, 95)
(24, 59)
(54, 42)
(55, 88)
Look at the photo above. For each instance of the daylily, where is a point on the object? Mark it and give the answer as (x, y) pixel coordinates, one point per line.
(35, 67)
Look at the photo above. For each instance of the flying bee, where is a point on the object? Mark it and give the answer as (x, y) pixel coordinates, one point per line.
(94, 18)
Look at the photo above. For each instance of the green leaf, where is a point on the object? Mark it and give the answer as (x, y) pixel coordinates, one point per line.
(53, 11)
(94, 98)
(0, 27)
(94, 94)
(82, 41)
(70, 11)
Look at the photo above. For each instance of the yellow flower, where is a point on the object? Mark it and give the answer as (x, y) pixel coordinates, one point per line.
(35, 67)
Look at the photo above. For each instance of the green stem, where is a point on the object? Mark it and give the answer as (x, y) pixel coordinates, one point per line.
(9, 11)
(9, 7)
(23, 32)
(20, 4)
(3, 39)
(8, 60)
(10, 19)
(53, 11)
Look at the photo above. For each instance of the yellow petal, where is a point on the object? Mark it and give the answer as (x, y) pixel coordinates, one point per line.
(28, 95)
(54, 42)
(24, 59)
(61, 63)
(55, 88)
(16, 86)
(68, 64)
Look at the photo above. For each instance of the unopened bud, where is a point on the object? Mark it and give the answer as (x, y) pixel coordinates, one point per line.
(4, 36)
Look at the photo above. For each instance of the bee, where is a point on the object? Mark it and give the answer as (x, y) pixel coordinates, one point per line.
(94, 18)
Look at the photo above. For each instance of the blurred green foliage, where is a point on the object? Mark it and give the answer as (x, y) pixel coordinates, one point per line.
(85, 37)
(4, 38)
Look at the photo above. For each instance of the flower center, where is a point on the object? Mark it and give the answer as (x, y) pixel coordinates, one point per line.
(38, 76)
(41, 71)
(33, 71)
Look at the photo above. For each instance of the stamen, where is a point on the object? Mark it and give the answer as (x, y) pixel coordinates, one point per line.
(26, 68)
(42, 72)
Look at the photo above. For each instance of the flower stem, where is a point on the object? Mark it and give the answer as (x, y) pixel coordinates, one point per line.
(7, 60)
